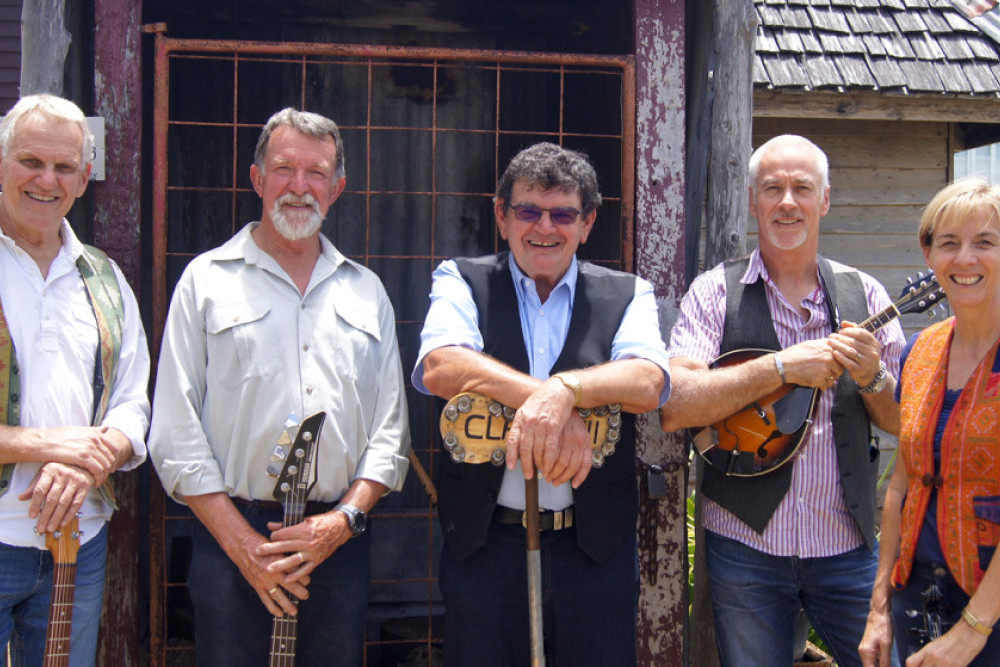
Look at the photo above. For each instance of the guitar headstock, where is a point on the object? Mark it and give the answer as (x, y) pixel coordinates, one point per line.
(64, 543)
(294, 480)
(921, 294)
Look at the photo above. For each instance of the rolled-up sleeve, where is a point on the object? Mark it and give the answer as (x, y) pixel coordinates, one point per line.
(638, 335)
(178, 445)
(452, 319)
(385, 458)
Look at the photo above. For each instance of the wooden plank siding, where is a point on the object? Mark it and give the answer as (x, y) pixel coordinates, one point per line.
(10, 53)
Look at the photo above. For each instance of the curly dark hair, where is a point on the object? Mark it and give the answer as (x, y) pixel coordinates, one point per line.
(552, 167)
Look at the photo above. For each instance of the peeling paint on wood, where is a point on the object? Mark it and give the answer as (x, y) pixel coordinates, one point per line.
(117, 225)
(659, 243)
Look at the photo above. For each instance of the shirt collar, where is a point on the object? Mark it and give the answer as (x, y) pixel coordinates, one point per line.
(521, 279)
(757, 270)
(242, 246)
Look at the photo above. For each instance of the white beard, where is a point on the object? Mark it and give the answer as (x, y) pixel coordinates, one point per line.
(296, 224)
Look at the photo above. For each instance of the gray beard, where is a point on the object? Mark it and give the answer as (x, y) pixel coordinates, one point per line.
(299, 224)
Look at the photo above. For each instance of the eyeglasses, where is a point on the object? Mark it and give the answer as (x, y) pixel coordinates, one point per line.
(559, 216)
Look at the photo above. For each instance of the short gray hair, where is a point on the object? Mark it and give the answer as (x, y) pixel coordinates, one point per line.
(308, 123)
(820, 159)
(552, 167)
(53, 107)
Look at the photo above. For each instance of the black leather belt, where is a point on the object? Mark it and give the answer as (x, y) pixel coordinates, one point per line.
(312, 506)
(547, 520)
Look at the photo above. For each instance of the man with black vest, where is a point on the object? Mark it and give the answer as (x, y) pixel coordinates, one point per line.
(803, 535)
(543, 333)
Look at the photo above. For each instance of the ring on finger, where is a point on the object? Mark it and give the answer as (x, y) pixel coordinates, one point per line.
(273, 591)
(302, 558)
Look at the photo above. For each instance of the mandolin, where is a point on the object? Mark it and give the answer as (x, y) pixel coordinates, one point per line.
(295, 480)
(766, 434)
(64, 544)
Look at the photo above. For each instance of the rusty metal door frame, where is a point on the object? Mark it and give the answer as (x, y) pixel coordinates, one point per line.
(302, 55)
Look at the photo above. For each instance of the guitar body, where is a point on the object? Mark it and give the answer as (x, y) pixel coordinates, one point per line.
(292, 489)
(64, 545)
(765, 434)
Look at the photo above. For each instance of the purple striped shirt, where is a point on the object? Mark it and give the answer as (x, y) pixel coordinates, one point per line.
(812, 520)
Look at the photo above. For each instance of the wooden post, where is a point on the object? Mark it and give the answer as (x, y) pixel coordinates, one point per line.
(44, 45)
(659, 257)
(117, 223)
(726, 61)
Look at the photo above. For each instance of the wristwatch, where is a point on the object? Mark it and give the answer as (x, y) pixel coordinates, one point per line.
(878, 382)
(572, 383)
(356, 519)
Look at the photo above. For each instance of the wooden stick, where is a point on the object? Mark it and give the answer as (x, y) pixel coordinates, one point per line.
(534, 571)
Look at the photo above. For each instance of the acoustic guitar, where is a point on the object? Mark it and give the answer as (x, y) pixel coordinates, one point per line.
(295, 480)
(766, 434)
(474, 429)
(64, 544)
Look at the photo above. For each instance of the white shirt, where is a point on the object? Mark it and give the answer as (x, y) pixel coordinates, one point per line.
(453, 319)
(54, 331)
(243, 348)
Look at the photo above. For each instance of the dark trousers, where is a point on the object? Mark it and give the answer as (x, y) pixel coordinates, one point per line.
(233, 628)
(906, 629)
(589, 610)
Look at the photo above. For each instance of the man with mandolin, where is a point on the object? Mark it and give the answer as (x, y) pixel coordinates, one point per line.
(539, 332)
(789, 526)
(278, 321)
(73, 373)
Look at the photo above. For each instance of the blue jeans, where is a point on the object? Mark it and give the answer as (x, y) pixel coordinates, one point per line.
(25, 594)
(756, 600)
(589, 610)
(233, 627)
(954, 599)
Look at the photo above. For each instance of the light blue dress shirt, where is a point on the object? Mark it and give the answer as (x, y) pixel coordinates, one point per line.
(454, 320)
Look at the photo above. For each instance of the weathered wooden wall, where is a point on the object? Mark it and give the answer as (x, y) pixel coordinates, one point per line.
(10, 52)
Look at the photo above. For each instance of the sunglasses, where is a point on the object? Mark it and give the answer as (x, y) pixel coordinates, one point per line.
(559, 216)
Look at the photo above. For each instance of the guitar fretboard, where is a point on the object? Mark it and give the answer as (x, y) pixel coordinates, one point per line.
(60, 616)
(285, 629)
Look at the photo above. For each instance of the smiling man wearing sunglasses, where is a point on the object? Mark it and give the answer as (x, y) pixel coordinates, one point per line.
(543, 333)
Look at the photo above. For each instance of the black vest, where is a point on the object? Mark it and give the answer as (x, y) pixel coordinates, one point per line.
(748, 324)
(605, 505)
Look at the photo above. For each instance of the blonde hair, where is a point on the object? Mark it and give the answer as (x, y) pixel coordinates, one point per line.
(957, 202)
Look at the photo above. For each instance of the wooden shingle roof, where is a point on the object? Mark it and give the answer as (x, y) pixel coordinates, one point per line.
(897, 47)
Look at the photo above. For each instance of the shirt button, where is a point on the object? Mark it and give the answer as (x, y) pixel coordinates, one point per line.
(309, 390)
(541, 350)
(305, 348)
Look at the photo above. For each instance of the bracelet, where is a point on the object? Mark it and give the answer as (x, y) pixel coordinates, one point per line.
(975, 624)
(781, 368)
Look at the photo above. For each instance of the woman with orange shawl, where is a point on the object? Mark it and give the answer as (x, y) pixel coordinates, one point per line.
(941, 520)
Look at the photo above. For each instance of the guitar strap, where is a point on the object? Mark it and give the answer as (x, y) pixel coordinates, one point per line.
(106, 301)
(748, 324)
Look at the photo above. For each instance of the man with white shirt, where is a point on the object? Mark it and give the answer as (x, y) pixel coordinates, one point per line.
(73, 374)
(278, 321)
(543, 333)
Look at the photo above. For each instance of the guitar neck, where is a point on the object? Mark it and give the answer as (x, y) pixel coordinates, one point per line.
(285, 628)
(60, 616)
